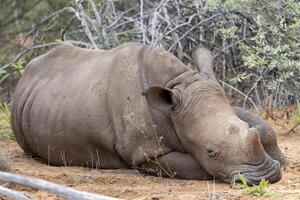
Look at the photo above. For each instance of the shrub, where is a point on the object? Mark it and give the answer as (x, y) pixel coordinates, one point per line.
(255, 42)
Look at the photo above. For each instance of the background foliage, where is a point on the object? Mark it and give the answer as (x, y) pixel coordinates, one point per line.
(255, 42)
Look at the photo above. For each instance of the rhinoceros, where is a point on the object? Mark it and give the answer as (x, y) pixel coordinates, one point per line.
(136, 106)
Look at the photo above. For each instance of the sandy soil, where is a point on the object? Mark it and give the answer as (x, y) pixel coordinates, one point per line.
(129, 184)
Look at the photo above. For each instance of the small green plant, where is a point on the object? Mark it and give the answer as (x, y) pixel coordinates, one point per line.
(18, 67)
(257, 190)
(3, 75)
(5, 125)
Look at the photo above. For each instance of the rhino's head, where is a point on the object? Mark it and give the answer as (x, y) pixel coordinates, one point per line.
(208, 128)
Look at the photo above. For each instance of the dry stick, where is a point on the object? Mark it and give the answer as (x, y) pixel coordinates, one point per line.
(59, 190)
(229, 46)
(99, 19)
(291, 129)
(191, 29)
(181, 25)
(6, 192)
(57, 13)
(119, 17)
(81, 16)
(244, 95)
(115, 24)
(142, 20)
(261, 77)
(62, 36)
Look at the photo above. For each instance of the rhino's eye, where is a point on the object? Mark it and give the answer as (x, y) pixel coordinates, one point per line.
(212, 153)
(212, 150)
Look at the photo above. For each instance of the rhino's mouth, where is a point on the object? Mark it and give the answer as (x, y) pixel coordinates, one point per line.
(268, 170)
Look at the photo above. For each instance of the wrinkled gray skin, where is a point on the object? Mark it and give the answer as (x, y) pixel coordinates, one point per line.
(134, 106)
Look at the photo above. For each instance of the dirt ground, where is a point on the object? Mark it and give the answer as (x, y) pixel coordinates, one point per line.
(129, 184)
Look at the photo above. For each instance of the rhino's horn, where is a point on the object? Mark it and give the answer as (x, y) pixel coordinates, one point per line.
(254, 146)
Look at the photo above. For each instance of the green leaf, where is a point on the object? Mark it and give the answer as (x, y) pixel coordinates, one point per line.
(243, 179)
(257, 190)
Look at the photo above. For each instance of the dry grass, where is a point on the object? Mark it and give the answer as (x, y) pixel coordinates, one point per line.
(5, 125)
(5, 161)
(5, 134)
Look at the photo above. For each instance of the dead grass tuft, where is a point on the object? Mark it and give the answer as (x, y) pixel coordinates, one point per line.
(5, 162)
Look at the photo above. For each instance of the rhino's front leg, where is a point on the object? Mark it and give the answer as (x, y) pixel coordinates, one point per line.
(267, 135)
(176, 164)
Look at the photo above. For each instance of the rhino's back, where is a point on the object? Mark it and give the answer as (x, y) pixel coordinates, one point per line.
(59, 107)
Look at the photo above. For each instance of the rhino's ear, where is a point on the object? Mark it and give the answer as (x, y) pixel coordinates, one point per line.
(203, 58)
(160, 98)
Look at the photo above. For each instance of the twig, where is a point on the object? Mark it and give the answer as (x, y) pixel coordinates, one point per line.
(191, 29)
(81, 15)
(288, 132)
(66, 28)
(244, 95)
(253, 87)
(142, 20)
(52, 15)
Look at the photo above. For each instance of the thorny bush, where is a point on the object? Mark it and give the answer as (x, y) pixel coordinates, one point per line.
(255, 42)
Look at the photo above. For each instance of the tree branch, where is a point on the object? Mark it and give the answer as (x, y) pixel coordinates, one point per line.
(6, 192)
(60, 190)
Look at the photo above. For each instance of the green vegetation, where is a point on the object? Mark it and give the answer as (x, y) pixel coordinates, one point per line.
(17, 69)
(257, 190)
(5, 123)
(3, 75)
